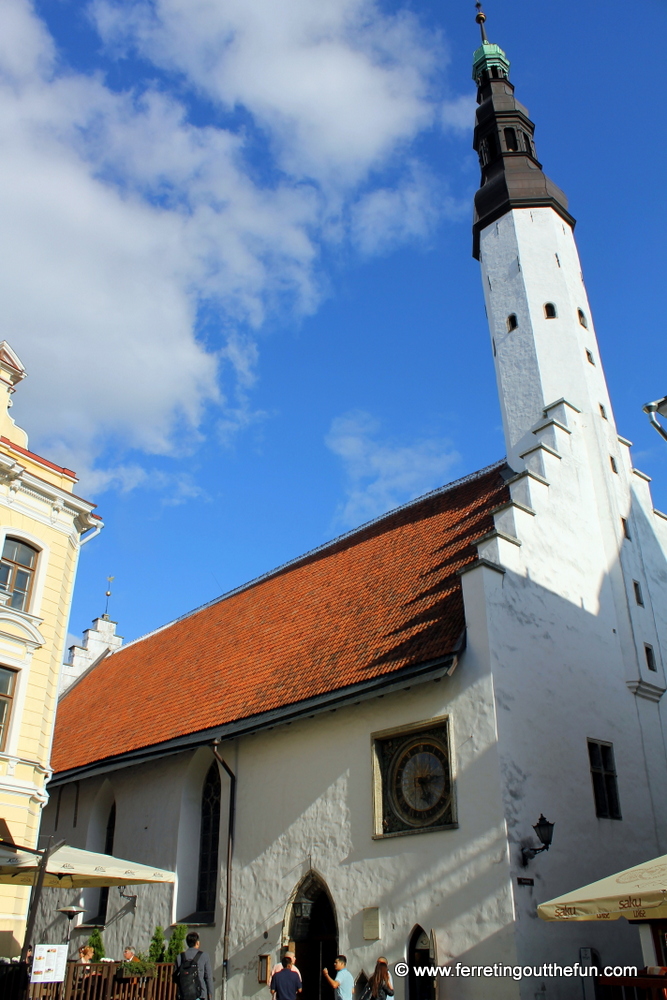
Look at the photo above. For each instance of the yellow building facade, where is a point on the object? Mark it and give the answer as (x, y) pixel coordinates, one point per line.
(42, 527)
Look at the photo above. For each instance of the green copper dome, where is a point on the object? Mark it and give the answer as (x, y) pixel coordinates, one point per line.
(487, 56)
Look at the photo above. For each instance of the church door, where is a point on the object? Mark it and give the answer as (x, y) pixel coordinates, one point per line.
(419, 953)
(314, 934)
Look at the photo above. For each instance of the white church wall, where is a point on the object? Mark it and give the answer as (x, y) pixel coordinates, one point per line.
(147, 801)
(305, 799)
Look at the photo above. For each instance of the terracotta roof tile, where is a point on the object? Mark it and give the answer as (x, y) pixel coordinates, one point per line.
(381, 598)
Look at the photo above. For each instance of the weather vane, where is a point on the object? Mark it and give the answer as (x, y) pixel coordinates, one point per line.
(107, 594)
(481, 18)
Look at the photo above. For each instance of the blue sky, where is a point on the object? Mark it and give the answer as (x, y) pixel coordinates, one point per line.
(237, 260)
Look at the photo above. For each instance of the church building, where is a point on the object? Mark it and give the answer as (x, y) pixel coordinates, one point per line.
(395, 711)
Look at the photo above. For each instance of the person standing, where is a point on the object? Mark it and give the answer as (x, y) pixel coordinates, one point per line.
(343, 984)
(379, 985)
(286, 983)
(278, 967)
(192, 971)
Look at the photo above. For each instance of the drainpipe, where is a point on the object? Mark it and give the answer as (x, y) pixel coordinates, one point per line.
(230, 851)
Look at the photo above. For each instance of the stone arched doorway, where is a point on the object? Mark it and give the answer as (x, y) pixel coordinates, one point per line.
(313, 934)
(420, 953)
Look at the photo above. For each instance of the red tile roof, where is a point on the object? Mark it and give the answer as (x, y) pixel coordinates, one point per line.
(384, 597)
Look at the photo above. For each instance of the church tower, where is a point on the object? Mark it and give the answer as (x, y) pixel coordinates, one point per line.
(543, 340)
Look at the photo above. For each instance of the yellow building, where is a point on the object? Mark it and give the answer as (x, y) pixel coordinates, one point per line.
(42, 527)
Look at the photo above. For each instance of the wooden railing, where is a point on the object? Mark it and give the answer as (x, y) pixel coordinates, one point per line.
(633, 988)
(97, 981)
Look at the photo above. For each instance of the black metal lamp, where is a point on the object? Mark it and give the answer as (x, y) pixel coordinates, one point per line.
(545, 831)
(303, 908)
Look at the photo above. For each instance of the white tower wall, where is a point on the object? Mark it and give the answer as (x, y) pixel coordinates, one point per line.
(529, 258)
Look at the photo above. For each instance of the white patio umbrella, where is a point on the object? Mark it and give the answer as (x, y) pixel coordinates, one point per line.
(71, 868)
(60, 866)
(638, 893)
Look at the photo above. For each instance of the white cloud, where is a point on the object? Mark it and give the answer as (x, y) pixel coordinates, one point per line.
(383, 475)
(122, 219)
(336, 83)
(459, 114)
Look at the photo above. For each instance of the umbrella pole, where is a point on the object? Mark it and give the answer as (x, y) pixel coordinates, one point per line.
(37, 893)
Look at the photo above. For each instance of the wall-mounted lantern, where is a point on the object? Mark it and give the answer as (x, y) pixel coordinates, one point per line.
(545, 831)
(303, 908)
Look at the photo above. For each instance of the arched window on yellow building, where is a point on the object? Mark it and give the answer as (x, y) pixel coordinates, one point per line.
(17, 571)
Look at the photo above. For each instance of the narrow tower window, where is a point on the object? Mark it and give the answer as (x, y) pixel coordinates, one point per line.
(492, 145)
(582, 318)
(512, 322)
(614, 467)
(510, 140)
(650, 657)
(603, 412)
(605, 786)
(550, 310)
(626, 528)
(591, 359)
(639, 597)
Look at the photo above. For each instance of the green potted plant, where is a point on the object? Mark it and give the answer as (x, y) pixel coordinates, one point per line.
(141, 966)
(97, 944)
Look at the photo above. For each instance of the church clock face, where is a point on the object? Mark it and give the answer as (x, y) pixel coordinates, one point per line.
(415, 780)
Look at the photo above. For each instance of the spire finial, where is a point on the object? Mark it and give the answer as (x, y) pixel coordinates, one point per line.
(481, 18)
(107, 594)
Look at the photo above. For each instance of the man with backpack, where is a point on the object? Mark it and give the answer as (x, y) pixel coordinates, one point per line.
(192, 973)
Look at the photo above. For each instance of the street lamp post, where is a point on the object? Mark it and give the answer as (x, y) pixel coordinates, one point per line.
(657, 406)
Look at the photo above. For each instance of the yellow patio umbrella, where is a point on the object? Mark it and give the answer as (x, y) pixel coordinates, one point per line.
(638, 893)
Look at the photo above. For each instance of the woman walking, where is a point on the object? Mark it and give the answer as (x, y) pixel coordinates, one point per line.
(379, 985)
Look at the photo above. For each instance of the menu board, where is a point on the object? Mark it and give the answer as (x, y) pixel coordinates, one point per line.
(49, 963)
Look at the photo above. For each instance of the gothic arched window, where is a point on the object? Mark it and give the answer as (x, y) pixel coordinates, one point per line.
(512, 322)
(108, 849)
(209, 837)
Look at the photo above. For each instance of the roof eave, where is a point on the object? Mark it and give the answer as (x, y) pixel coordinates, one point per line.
(432, 670)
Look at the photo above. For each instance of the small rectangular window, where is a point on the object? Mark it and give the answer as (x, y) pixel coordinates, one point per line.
(7, 685)
(591, 359)
(614, 467)
(650, 657)
(603, 412)
(639, 597)
(603, 775)
(626, 528)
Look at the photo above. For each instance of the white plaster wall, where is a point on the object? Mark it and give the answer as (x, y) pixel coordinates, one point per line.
(529, 258)
(305, 797)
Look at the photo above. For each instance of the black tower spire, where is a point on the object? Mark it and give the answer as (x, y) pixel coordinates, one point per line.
(512, 175)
